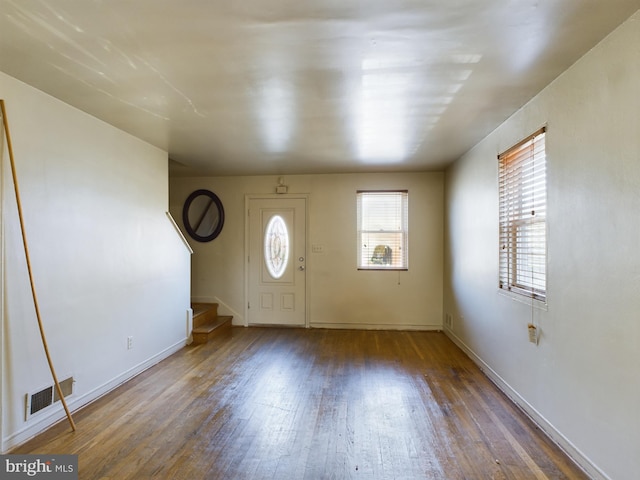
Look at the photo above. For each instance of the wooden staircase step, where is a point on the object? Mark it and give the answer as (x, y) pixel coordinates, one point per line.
(207, 323)
(204, 313)
(211, 329)
(200, 308)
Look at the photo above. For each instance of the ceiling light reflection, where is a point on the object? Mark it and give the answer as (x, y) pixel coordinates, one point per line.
(390, 126)
(382, 113)
(276, 114)
(466, 58)
(386, 63)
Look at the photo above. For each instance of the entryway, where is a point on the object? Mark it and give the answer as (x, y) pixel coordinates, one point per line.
(276, 260)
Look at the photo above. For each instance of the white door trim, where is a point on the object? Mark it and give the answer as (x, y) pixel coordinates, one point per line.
(2, 299)
(270, 196)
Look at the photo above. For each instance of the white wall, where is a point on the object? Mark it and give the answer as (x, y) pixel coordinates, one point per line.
(107, 261)
(339, 294)
(582, 381)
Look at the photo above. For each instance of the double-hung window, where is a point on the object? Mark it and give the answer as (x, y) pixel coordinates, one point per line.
(383, 230)
(523, 212)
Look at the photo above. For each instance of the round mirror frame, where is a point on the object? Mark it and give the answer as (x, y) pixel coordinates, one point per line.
(185, 215)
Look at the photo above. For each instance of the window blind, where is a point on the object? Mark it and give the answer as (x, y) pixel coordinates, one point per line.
(523, 211)
(383, 229)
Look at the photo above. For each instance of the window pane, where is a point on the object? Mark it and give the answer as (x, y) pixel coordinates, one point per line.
(382, 230)
(523, 249)
(382, 212)
(276, 246)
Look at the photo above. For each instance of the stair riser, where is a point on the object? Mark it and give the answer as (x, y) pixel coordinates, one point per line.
(206, 316)
(200, 338)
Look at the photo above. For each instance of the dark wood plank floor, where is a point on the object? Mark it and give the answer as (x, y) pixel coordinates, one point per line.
(269, 403)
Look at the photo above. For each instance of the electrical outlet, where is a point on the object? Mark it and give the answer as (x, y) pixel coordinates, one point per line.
(129, 343)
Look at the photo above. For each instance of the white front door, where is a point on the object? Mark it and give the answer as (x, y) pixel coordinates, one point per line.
(277, 261)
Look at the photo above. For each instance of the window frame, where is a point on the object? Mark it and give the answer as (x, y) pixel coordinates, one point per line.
(522, 207)
(403, 231)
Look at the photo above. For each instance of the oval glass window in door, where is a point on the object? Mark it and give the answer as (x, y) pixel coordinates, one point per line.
(276, 246)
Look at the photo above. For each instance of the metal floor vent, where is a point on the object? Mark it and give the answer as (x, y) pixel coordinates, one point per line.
(47, 397)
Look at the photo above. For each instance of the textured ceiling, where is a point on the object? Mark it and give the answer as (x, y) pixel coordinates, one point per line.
(291, 86)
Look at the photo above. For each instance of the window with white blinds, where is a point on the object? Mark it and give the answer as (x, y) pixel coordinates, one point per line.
(383, 230)
(523, 212)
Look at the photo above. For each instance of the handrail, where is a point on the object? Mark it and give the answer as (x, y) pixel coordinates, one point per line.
(180, 234)
(5, 123)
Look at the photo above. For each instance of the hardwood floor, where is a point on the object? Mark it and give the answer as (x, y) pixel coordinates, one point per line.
(270, 403)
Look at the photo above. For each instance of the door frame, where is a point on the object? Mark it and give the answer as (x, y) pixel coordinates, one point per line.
(2, 299)
(274, 196)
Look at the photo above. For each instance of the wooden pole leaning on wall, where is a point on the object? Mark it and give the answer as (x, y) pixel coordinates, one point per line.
(5, 122)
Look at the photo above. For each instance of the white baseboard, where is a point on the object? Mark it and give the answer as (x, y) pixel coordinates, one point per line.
(203, 300)
(57, 413)
(375, 326)
(552, 432)
(223, 309)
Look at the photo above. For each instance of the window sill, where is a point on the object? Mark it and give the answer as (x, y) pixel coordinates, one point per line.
(382, 269)
(532, 302)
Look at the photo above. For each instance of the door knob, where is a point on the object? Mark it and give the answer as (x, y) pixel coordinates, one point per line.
(301, 267)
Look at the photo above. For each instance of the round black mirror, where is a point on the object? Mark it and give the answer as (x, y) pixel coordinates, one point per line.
(203, 215)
